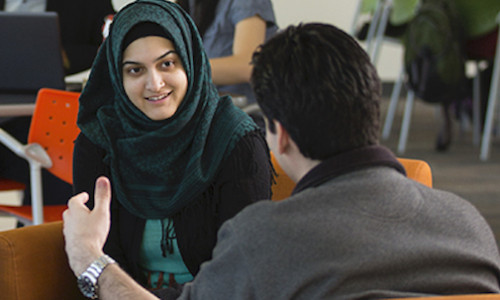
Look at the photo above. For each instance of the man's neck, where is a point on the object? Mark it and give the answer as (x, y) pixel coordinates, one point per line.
(297, 165)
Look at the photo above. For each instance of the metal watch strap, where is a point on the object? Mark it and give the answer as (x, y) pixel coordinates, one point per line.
(101, 263)
(91, 275)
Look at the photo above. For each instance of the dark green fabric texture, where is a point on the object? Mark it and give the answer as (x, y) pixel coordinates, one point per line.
(437, 27)
(159, 167)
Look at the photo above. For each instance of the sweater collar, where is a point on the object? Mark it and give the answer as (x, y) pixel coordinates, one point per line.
(346, 162)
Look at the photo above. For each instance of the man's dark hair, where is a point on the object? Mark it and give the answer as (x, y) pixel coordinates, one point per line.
(320, 85)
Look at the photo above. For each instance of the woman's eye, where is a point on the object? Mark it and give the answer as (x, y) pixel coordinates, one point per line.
(135, 70)
(168, 64)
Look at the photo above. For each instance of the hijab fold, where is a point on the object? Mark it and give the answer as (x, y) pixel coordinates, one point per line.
(159, 167)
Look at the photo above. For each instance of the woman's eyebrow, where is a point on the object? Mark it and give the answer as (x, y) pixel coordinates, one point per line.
(165, 54)
(129, 62)
(157, 59)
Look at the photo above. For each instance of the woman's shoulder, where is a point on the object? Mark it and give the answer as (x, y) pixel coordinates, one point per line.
(250, 154)
(82, 139)
(252, 142)
(84, 144)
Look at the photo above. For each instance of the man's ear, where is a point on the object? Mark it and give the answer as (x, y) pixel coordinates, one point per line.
(283, 138)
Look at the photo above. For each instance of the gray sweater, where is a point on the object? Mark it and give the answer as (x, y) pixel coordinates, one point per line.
(366, 233)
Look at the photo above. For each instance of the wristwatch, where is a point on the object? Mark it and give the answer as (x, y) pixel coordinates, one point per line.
(87, 281)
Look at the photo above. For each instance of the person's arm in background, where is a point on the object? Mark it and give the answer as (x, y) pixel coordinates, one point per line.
(234, 69)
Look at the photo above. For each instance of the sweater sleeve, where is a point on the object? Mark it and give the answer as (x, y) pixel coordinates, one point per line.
(245, 177)
(87, 167)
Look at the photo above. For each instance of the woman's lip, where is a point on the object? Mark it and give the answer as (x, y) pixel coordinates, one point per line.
(158, 98)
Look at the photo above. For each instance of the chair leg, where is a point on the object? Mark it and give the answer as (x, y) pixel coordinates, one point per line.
(405, 126)
(391, 110)
(357, 13)
(445, 133)
(476, 107)
(382, 25)
(36, 192)
(373, 27)
(492, 99)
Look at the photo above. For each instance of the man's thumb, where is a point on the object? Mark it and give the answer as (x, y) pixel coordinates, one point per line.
(102, 193)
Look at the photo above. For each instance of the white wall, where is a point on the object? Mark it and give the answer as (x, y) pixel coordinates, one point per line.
(337, 12)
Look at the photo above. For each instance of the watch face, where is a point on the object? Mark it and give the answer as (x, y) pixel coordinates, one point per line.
(87, 287)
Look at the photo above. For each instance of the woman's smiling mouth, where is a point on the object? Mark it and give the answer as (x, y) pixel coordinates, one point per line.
(158, 98)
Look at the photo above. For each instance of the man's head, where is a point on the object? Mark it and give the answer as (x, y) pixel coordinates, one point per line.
(320, 85)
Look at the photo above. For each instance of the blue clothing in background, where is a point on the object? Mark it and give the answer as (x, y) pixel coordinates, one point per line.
(218, 39)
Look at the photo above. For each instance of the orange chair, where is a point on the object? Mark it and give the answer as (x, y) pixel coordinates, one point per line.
(417, 170)
(50, 145)
(34, 264)
(284, 185)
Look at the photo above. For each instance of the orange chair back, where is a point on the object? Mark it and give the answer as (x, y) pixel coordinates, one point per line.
(53, 126)
(417, 170)
(283, 186)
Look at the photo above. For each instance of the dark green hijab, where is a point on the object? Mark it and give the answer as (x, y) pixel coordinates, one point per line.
(159, 167)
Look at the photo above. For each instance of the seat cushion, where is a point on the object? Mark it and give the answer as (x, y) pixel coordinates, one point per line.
(34, 264)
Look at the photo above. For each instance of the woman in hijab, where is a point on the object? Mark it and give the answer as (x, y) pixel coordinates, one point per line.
(181, 159)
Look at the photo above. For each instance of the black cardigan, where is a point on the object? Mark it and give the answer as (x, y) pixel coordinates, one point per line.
(243, 178)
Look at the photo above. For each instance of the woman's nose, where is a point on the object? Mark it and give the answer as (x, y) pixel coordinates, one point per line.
(155, 81)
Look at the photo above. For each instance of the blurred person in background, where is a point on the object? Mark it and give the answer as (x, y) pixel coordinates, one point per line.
(231, 31)
(81, 23)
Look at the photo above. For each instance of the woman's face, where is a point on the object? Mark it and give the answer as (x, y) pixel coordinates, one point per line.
(153, 77)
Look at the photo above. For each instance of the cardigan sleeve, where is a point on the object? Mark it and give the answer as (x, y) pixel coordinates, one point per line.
(245, 177)
(88, 165)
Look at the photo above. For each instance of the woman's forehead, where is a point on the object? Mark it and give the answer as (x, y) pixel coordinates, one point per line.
(149, 47)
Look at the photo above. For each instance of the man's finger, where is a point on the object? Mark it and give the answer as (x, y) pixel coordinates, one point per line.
(102, 194)
(79, 199)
